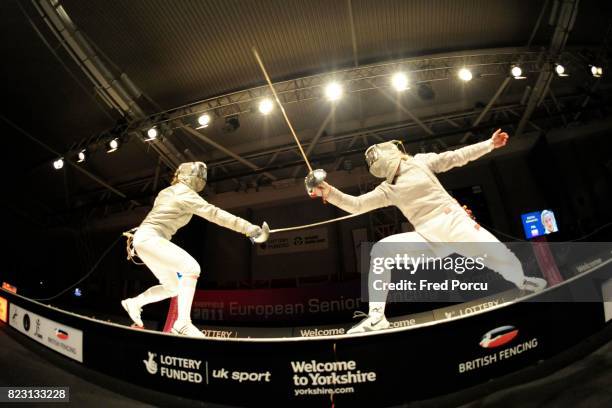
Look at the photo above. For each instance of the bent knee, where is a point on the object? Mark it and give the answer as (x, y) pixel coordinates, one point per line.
(191, 269)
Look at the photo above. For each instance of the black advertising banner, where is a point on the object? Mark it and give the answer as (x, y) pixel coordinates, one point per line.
(380, 369)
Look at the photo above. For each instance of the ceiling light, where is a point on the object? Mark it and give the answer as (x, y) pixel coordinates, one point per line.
(58, 164)
(333, 91)
(399, 80)
(203, 120)
(151, 134)
(517, 72)
(112, 145)
(81, 156)
(560, 70)
(266, 106)
(596, 71)
(465, 74)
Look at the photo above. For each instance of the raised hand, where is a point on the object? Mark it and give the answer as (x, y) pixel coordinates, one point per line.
(499, 138)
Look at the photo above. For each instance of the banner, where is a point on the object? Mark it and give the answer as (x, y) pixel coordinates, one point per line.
(326, 367)
(314, 239)
(282, 304)
(64, 339)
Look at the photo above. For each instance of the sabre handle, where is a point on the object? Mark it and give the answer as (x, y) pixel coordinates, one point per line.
(314, 179)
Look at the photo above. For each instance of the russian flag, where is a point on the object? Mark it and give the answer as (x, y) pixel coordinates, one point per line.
(61, 334)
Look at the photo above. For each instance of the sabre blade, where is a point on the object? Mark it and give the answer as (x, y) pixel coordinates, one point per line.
(263, 69)
(316, 224)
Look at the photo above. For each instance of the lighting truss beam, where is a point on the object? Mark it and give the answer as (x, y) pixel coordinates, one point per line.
(564, 16)
(225, 150)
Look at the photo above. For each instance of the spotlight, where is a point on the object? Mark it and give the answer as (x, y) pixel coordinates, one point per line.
(333, 91)
(426, 92)
(203, 120)
(152, 134)
(58, 164)
(81, 156)
(399, 80)
(560, 70)
(265, 106)
(112, 145)
(596, 71)
(465, 74)
(517, 72)
(232, 123)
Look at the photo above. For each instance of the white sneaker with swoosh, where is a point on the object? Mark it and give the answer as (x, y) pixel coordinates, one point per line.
(186, 329)
(134, 310)
(369, 323)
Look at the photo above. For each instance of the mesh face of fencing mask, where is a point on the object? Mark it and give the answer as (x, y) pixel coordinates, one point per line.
(383, 159)
(192, 174)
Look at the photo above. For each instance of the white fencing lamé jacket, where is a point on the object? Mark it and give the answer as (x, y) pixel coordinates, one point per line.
(417, 192)
(174, 207)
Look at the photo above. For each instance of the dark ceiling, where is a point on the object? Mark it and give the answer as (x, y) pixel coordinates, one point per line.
(181, 51)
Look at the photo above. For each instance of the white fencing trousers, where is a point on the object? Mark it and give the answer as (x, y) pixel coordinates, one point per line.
(450, 231)
(165, 260)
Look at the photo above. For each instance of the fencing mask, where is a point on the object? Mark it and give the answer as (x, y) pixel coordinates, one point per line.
(383, 159)
(193, 174)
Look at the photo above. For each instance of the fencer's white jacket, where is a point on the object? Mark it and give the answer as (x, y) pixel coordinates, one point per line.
(417, 192)
(174, 207)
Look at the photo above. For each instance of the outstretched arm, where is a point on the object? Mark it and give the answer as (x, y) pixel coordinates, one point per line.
(351, 204)
(442, 162)
(200, 207)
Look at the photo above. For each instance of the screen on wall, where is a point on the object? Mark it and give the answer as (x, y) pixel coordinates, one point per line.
(539, 223)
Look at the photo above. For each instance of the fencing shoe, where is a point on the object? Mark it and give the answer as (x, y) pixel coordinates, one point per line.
(186, 329)
(133, 309)
(369, 323)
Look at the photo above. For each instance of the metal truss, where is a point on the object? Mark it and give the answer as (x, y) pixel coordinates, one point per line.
(564, 15)
(346, 145)
(359, 79)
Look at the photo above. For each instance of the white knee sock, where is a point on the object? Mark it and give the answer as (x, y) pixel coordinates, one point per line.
(152, 295)
(187, 287)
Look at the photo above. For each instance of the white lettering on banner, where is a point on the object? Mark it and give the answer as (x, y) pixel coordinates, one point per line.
(314, 239)
(189, 370)
(64, 339)
(467, 310)
(224, 334)
(313, 305)
(322, 332)
(241, 376)
(175, 368)
(402, 323)
(309, 375)
(504, 354)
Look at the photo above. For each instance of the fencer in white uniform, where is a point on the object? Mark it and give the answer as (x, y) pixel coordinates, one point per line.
(172, 209)
(411, 185)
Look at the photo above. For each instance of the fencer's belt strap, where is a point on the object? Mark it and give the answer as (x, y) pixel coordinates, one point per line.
(316, 224)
